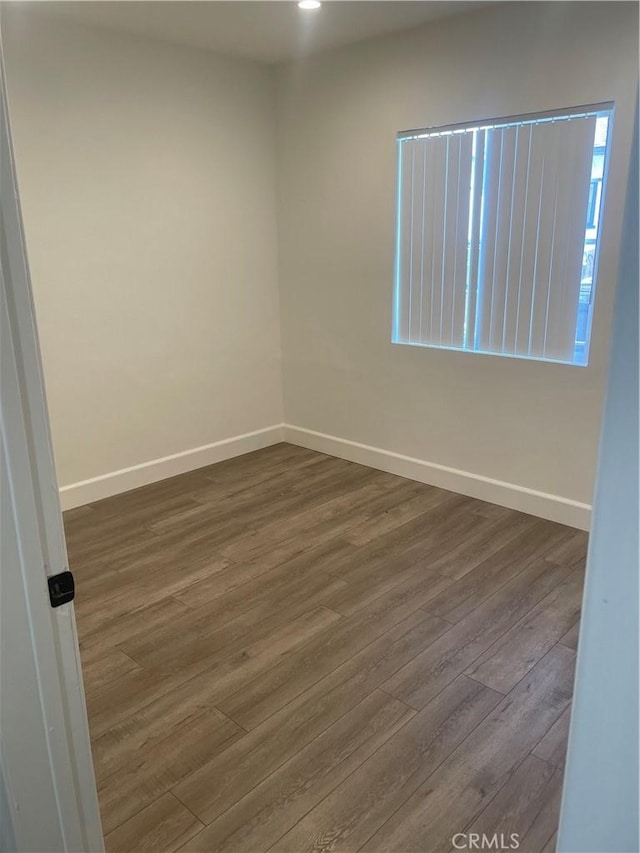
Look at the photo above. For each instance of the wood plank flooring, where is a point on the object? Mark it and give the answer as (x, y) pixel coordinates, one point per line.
(290, 652)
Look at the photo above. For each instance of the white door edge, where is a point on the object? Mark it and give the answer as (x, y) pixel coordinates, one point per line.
(35, 508)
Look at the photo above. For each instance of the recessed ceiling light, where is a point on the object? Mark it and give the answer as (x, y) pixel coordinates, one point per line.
(309, 4)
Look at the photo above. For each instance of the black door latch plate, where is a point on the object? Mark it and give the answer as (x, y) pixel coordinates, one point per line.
(62, 588)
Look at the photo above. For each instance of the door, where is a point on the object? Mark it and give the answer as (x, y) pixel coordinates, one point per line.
(47, 788)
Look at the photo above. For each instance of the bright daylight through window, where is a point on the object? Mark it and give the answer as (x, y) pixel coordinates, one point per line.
(497, 234)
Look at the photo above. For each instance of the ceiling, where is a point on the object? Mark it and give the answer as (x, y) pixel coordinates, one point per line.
(265, 30)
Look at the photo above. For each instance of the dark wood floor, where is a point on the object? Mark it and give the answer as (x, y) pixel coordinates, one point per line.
(291, 652)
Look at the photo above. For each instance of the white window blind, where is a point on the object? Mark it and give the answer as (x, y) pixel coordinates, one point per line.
(492, 235)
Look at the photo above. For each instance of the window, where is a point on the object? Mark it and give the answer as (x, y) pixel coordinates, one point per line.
(497, 234)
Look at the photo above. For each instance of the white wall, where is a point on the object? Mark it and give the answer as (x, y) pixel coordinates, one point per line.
(150, 197)
(147, 179)
(531, 424)
(600, 805)
(7, 836)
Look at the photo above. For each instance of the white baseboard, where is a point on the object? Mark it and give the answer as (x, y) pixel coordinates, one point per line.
(553, 507)
(87, 491)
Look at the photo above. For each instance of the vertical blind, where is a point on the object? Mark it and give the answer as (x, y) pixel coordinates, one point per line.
(491, 233)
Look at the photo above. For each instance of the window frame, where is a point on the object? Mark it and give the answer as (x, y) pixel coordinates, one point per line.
(599, 204)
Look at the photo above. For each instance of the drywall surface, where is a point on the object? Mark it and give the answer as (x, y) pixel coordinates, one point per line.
(531, 424)
(7, 837)
(147, 181)
(600, 803)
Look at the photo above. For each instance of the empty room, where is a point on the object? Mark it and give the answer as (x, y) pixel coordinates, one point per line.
(319, 426)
